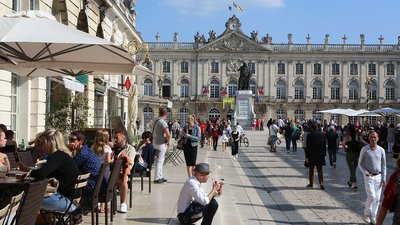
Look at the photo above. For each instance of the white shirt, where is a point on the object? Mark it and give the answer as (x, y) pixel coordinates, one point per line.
(273, 130)
(240, 129)
(191, 191)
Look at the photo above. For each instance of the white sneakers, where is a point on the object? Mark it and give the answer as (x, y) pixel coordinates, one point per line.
(369, 220)
(123, 208)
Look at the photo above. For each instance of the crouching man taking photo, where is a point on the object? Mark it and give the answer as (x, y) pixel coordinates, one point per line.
(193, 202)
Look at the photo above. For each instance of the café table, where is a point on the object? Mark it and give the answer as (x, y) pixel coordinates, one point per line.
(10, 186)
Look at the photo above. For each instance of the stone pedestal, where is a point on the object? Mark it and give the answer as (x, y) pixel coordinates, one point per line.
(244, 108)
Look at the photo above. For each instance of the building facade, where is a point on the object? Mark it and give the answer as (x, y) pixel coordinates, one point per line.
(26, 101)
(289, 80)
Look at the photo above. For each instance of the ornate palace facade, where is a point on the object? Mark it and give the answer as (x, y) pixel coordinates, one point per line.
(289, 80)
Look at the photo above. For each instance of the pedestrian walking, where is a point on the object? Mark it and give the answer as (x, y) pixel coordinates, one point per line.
(192, 135)
(273, 135)
(161, 138)
(333, 145)
(288, 133)
(235, 139)
(315, 153)
(372, 163)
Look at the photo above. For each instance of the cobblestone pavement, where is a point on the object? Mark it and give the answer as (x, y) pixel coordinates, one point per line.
(262, 187)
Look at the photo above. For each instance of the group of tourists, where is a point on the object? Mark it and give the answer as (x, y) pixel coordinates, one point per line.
(365, 148)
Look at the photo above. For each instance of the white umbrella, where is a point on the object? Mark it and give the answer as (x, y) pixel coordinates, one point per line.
(133, 110)
(33, 43)
(386, 111)
(333, 111)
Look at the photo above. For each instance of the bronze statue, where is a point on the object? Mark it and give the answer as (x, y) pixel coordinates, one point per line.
(244, 78)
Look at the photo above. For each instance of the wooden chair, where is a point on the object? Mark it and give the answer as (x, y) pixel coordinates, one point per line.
(142, 175)
(12, 210)
(33, 197)
(3, 213)
(65, 217)
(109, 196)
(26, 158)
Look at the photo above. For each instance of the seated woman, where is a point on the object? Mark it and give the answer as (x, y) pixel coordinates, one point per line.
(3, 157)
(59, 165)
(145, 152)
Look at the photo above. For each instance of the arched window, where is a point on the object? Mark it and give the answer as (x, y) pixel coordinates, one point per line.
(281, 113)
(184, 88)
(353, 90)
(316, 115)
(372, 91)
(253, 86)
(389, 90)
(298, 90)
(335, 90)
(280, 90)
(298, 114)
(214, 113)
(183, 112)
(148, 115)
(232, 87)
(317, 89)
(214, 89)
(148, 87)
(166, 88)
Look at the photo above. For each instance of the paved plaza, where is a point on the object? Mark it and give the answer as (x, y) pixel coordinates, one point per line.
(261, 187)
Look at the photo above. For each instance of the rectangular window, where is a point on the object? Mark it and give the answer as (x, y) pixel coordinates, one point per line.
(214, 67)
(252, 67)
(281, 68)
(299, 68)
(317, 93)
(317, 69)
(184, 91)
(389, 93)
(298, 93)
(335, 92)
(353, 69)
(184, 67)
(166, 67)
(390, 69)
(335, 69)
(353, 93)
(371, 69)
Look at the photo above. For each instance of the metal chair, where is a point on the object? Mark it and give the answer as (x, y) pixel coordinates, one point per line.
(65, 217)
(3, 213)
(12, 210)
(12, 159)
(92, 203)
(30, 208)
(140, 174)
(109, 195)
(26, 158)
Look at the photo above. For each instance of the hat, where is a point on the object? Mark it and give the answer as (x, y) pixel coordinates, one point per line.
(202, 168)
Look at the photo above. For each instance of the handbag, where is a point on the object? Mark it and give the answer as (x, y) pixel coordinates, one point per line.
(269, 140)
(52, 187)
(180, 144)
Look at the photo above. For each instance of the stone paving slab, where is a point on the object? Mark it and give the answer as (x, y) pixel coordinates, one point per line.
(261, 188)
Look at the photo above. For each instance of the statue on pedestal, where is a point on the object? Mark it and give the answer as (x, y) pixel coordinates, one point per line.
(244, 78)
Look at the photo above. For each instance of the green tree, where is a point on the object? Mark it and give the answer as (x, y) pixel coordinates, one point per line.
(68, 113)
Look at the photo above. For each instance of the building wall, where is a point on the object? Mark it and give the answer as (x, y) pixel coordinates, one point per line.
(266, 56)
(118, 27)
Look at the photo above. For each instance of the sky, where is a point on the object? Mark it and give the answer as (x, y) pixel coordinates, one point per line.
(278, 18)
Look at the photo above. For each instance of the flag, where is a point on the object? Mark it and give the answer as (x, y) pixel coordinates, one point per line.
(230, 8)
(234, 4)
(237, 6)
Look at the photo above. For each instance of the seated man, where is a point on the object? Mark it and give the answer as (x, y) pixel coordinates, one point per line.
(193, 203)
(86, 160)
(126, 152)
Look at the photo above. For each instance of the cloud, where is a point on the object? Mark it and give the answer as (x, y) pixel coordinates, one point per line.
(207, 7)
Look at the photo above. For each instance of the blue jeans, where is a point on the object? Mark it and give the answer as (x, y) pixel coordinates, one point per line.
(208, 211)
(57, 202)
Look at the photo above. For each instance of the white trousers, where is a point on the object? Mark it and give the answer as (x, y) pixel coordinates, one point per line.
(159, 161)
(373, 189)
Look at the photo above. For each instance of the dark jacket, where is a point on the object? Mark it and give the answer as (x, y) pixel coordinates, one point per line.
(316, 148)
